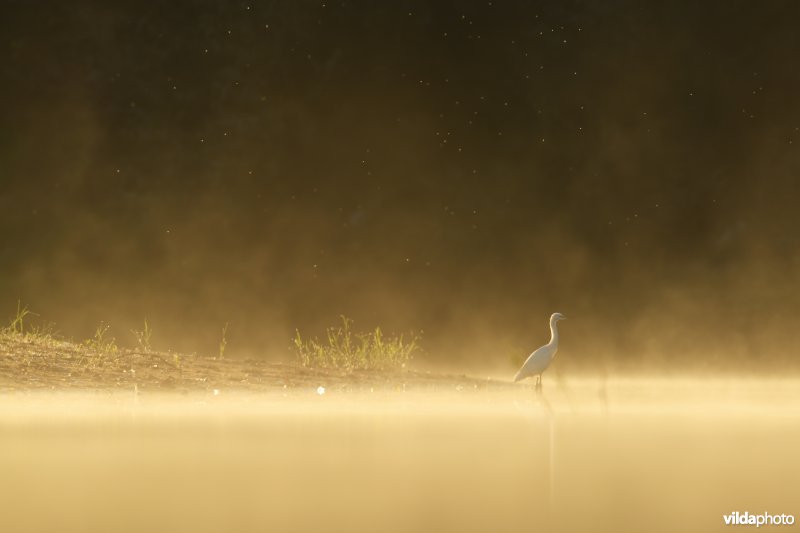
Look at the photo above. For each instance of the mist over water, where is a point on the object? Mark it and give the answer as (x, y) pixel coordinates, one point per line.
(232, 172)
(622, 455)
(464, 170)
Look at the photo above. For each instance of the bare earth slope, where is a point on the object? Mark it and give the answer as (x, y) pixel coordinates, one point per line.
(38, 362)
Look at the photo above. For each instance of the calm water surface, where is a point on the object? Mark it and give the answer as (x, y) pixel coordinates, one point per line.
(624, 455)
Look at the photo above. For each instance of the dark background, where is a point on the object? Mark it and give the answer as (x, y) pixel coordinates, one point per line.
(462, 168)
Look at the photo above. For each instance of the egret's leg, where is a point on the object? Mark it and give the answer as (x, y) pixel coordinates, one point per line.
(539, 383)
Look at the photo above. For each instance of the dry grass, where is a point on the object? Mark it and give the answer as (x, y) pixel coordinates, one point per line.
(356, 351)
(35, 358)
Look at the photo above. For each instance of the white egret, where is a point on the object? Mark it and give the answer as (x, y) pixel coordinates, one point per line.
(539, 360)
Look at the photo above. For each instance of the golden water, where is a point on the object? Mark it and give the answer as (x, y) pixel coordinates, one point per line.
(624, 455)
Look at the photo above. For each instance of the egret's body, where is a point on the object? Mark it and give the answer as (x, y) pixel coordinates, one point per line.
(540, 359)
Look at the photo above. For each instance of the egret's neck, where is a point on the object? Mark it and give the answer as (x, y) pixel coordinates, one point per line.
(553, 332)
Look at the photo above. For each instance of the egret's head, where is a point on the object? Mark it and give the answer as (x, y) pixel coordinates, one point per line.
(555, 317)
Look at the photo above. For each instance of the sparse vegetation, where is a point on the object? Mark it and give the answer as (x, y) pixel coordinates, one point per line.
(101, 343)
(356, 351)
(34, 357)
(19, 329)
(223, 343)
(143, 337)
(17, 325)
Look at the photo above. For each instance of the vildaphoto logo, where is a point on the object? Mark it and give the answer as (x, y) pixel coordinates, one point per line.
(765, 519)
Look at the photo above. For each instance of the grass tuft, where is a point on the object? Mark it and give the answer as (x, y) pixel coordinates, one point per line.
(17, 324)
(356, 351)
(101, 343)
(143, 337)
(223, 343)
